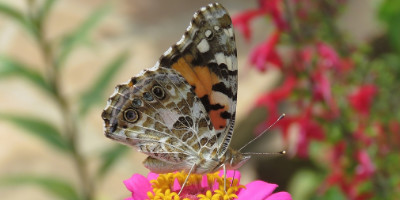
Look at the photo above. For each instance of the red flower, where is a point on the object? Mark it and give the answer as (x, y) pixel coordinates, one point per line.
(308, 130)
(361, 136)
(271, 100)
(322, 91)
(266, 53)
(336, 177)
(242, 21)
(273, 8)
(328, 56)
(267, 7)
(365, 168)
(361, 99)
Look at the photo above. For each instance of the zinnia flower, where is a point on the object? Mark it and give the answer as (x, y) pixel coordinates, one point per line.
(200, 187)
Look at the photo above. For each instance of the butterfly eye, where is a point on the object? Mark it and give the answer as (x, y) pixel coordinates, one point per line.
(158, 92)
(131, 115)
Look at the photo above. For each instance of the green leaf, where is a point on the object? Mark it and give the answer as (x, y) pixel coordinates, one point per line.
(10, 67)
(39, 128)
(303, 184)
(389, 13)
(19, 18)
(80, 34)
(95, 93)
(109, 157)
(45, 9)
(56, 186)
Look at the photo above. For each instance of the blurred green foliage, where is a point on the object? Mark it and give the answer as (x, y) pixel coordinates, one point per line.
(65, 137)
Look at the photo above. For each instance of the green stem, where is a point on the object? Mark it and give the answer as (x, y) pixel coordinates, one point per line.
(294, 35)
(70, 125)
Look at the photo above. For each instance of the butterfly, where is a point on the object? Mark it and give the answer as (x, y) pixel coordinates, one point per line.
(181, 112)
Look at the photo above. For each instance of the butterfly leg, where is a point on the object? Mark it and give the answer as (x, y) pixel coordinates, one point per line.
(187, 178)
(233, 179)
(224, 177)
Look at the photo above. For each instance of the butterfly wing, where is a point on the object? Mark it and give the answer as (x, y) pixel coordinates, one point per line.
(206, 57)
(158, 113)
(182, 110)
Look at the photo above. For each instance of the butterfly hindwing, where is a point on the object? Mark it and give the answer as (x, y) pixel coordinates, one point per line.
(206, 58)
(150, 113)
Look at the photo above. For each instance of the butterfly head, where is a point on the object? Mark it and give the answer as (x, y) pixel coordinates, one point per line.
(235, 159)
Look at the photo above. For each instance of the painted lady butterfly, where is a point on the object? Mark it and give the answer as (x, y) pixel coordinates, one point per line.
(181, 112)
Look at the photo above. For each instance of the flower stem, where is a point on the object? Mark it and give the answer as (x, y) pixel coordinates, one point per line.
(70, 125)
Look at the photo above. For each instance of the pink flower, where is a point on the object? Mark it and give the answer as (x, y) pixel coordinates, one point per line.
(166, 186)
(361, 99)
(266, 53)
(139, 186)
(260, 190)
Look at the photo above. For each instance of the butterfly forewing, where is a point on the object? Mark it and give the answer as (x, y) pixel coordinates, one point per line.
(206, 58)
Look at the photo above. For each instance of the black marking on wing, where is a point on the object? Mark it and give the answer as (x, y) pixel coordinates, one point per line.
(206, 102)
(221, 87)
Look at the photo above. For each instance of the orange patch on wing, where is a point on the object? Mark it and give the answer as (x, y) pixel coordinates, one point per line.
(216, 119)
(199, 76)
(202, 79)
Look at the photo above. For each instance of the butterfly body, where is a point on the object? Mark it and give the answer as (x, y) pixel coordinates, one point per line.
(181, 112)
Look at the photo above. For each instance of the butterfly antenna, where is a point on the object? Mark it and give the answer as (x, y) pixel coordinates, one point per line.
(274, 153)
(280, 117)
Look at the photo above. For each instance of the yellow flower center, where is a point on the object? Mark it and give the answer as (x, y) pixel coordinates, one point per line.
(163, 187)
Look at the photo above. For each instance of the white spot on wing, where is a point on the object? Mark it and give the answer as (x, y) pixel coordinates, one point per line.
(230, 31)
(168, 117)
(228, 60)
(220, 57)
(181, 40)
(203, 46)
(208, 33)
(169, 50)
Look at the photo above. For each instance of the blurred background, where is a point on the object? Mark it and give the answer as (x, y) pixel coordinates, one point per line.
(61, 59)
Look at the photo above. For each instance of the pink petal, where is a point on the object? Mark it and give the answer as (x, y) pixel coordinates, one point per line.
(138, 185)
(279, 196)
(266, 53)
(257, 190)
(176, 186)
(361, 100)
(152, 176)
(204, 182)
(328, 54)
